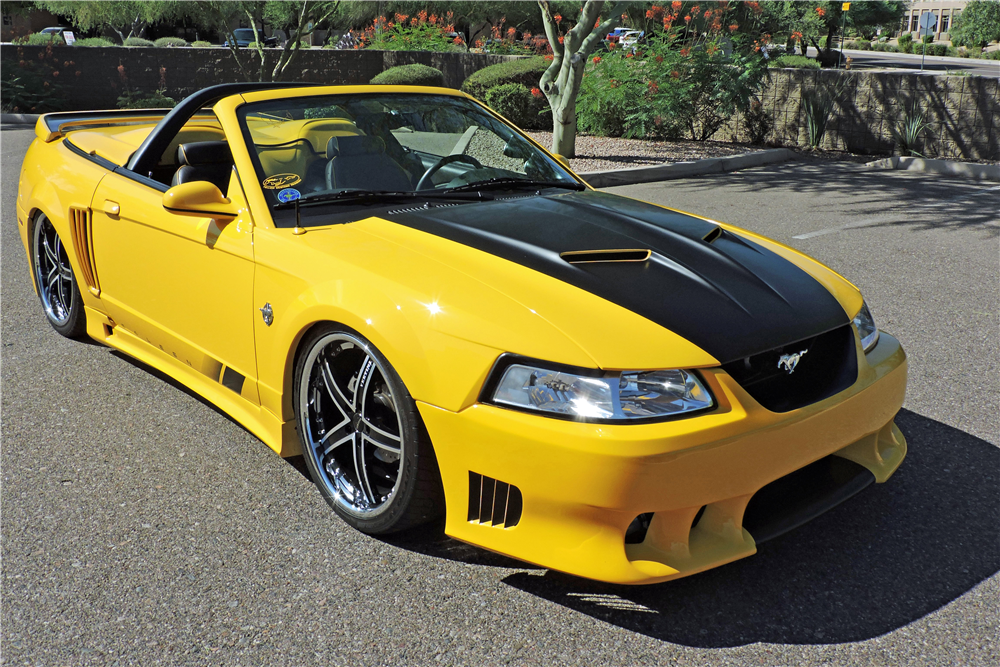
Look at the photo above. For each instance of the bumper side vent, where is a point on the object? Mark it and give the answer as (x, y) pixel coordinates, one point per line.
(83, 243)
(493, 502)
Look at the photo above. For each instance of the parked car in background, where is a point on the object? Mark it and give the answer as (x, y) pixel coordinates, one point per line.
(245, 37)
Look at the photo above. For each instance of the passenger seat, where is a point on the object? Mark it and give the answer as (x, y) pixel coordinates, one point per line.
(210, 161)
(361, 162)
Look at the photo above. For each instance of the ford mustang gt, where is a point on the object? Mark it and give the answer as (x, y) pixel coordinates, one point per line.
(442, 319)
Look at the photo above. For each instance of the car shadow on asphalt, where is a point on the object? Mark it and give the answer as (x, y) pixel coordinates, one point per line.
(902, 200)
(887, 557)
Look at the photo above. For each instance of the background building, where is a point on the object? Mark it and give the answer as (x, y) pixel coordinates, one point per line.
(946, 12)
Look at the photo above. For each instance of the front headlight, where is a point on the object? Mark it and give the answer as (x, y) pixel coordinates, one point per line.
(625, 396)
(865, 324)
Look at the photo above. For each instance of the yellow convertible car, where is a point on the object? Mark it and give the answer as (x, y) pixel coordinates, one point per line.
(442, 318)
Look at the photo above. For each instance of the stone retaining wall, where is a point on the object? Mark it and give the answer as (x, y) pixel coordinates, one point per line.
(963, 112)
(190, 69)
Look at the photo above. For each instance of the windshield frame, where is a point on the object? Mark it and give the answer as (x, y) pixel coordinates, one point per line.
(284, 216)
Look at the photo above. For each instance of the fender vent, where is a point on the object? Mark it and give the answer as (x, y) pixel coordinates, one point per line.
(83, 244)
(590, 256)
(493, 502)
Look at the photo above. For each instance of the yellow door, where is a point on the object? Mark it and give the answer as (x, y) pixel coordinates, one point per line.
(183, 284)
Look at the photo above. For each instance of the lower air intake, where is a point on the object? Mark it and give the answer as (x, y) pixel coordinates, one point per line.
(494, 502)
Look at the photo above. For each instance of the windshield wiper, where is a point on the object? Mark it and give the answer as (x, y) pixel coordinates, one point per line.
(382, 196)
(515, 183)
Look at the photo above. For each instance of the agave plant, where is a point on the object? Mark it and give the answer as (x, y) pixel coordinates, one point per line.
(907, 131)
(818, 105)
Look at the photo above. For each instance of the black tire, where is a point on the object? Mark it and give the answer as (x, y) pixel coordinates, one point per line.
(349, 433)
(57, 285)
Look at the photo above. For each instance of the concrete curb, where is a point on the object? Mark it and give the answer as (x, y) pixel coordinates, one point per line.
(978, 172)
(18, 118)
(667, 172)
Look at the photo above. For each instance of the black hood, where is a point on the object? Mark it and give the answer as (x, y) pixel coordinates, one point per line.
(730, 296)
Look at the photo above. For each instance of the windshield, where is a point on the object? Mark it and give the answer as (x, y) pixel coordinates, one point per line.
(313, 148)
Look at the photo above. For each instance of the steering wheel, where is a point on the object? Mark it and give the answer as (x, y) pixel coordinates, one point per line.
(448, 159)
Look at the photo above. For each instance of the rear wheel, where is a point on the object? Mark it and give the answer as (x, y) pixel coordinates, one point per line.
(57, 287)
(362, 438)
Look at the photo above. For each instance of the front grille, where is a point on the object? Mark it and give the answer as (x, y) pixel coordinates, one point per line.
(829, 365)
(494, 502)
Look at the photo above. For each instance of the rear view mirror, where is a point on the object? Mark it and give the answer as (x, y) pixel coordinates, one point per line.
(517, 148)
(199, 199)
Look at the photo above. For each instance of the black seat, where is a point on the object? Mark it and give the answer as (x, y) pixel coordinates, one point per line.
(361, 162)
(210, 161)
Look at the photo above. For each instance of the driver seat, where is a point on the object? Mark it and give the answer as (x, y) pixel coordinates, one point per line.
(360, 162)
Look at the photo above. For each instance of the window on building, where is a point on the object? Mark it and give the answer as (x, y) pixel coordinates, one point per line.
(944, 22)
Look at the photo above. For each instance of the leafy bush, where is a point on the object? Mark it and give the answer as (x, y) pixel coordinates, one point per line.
(201, 44)
(154, 100)
(138, 41)
(31, 85)
(904, 41)
(94, 41)
(992, 55)
(525, 71)
(886, 47)
(516, 103)
(799, 62)
(40, 39)
(169, 42)
(661, 91)
(927, 39)
(416, 33)
(937, 50)
(858, 46)
(410, 75)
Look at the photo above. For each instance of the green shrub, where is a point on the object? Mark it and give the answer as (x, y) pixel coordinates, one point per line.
(525, 71)
(886, 47)
(201, 44)
(992, 55)
(927, 39)
(138, 41)
(905, 39)
(937, 50)
(410, 75)
(799, 62)
(169, 42)
(858, 46)
(138, 100)
(515, 102)
(40, 39)
(94, 41)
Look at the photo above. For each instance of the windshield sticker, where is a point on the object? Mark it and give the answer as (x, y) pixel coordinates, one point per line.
(281, 181)
(288, 194)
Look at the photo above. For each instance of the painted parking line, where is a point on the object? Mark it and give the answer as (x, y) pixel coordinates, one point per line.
(885, 217)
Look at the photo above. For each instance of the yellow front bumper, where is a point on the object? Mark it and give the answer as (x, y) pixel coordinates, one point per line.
(583, 484)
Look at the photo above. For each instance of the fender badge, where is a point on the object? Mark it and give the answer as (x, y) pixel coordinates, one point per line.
(267, 314)
(788, 362)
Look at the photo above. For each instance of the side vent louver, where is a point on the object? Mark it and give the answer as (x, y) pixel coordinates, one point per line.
(493, 502)
(83, 243)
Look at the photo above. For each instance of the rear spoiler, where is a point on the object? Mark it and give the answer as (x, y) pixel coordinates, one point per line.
(51, 126)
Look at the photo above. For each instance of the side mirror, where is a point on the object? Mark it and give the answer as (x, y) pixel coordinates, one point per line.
(563, 161)
(199, 199)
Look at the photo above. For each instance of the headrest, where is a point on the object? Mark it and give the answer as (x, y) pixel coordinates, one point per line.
(198, 153)
(356, 145)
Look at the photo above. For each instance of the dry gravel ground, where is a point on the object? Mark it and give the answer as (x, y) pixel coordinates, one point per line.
(609, 153)
(141, 527)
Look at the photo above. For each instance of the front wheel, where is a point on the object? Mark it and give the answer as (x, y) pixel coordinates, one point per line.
(57, 287)
(362, 438)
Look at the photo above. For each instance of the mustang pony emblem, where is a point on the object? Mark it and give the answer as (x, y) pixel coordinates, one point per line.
(790, 361)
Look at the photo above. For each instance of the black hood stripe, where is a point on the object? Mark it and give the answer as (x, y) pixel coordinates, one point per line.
(728, 295)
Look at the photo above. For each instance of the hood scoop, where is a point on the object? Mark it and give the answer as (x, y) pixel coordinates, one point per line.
(712, 235)
(604, 256)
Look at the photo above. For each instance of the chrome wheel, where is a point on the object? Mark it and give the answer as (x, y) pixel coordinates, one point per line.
(351, 425)
(53, 274)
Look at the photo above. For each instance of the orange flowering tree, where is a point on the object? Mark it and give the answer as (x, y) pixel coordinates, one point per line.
(570, 49)
(419, 32)
(687, 79)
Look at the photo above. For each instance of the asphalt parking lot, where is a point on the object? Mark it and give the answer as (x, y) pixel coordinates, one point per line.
(140, 526)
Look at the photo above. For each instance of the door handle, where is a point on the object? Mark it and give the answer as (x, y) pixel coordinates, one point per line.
(111, 207)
